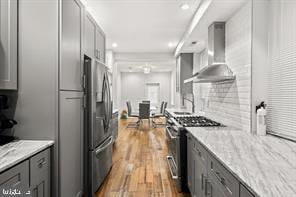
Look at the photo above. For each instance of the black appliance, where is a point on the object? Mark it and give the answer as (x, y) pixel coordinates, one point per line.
(177, 145)
(196, 121)
(5, 122)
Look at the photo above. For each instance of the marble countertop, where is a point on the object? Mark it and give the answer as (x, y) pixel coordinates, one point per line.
(20, 150)
(265, 164)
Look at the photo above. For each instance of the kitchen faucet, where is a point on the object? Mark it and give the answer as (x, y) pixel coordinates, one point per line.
(191, 101)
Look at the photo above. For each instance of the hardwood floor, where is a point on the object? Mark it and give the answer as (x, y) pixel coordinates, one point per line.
(139, 164)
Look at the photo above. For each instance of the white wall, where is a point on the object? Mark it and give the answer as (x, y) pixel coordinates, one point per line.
(230, 103)
(132, 86)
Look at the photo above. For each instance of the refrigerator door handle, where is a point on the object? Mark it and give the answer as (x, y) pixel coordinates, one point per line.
(109, 101)
(105, 101)
(100, 149)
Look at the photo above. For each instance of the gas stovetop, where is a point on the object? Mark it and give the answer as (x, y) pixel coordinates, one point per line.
(196, 121)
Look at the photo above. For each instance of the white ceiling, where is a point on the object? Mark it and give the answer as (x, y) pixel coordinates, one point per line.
(219, 10)
(142, 25)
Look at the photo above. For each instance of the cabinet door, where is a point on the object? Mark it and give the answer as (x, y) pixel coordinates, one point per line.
(8, 44)
(16, 177)
(89, 36)
(100, 45)
(190, 171)
(40, 174)
(200, 174)
(70, 143)
(71, 69)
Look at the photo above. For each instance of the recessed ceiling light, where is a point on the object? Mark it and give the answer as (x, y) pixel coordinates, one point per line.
(114, 45)
(185, 6)
(147, 70)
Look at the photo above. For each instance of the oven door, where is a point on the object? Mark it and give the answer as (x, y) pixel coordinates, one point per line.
(173, 142)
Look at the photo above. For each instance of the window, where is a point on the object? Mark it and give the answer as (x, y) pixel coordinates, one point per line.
(281, 106)
(152, 92)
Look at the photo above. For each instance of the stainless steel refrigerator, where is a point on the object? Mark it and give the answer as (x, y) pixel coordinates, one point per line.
(98, 113)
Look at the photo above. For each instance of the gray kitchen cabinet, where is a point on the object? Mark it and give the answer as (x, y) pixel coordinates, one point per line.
(8, 43)
(200, 175)
(190, 165)
(40, 174)
(16, 177)
(71, 60)
(184, 71)
(221, 178)
(90, 36)
(70, 143)
(100, 45)
(244, 192)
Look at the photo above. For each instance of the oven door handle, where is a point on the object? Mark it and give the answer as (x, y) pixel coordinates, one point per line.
(171, 162)
(170, 134)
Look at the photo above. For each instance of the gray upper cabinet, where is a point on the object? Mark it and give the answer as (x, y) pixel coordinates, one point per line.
(100, 45)
(71, 59)
(90, 36)
(70, 143)
(184, 71)
(8, 44)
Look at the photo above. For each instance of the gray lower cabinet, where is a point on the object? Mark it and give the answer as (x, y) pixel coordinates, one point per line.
(8, 43)
(70, 143)
(32, 174)
(89, 36)
(16, 177)
(71, 69)
(40, 174)
(207, 177)
(190, 165)
(244, 192)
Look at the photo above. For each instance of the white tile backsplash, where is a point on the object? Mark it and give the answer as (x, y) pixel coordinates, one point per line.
(229, 103)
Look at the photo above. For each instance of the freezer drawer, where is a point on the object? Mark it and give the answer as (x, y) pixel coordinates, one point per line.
(101, 163)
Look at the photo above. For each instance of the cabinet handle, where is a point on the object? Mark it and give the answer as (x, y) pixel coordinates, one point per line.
(202, 181)
(223, 182)
(43, 161)
(208, 188)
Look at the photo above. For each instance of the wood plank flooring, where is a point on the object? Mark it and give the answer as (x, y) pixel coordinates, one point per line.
(139, 165)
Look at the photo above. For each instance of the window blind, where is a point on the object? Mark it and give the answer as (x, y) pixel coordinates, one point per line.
(281, 105)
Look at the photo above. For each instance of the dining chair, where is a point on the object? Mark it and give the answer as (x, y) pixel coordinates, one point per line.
(144, 112)
(161, 114)
(146, 101)
(131, 114)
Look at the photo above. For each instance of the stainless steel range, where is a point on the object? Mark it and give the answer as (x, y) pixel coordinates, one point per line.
(177, 145)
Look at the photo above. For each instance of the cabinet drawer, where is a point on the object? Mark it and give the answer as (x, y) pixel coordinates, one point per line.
(40, 167)
(16, 177)
(218, 173)
(244, 192)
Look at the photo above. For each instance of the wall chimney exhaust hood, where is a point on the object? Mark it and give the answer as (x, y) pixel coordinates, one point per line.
(217, 69)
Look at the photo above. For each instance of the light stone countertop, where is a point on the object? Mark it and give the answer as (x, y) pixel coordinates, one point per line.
(20, 150)
(265, 164)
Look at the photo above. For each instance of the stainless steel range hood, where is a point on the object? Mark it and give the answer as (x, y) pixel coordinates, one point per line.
(217, 70)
